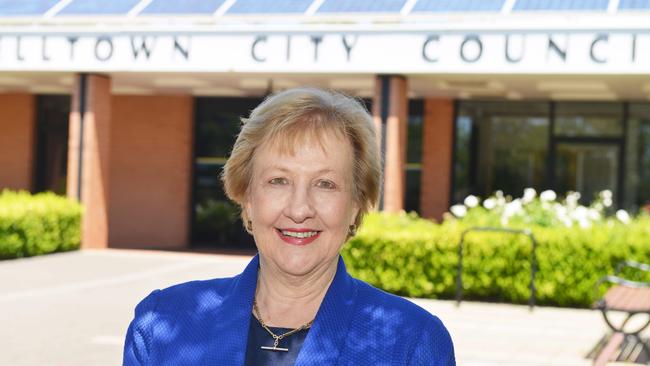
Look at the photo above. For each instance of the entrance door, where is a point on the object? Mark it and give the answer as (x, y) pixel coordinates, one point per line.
(587, 167)
(53, 112)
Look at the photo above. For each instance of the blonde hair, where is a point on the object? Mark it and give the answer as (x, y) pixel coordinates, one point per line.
(292, 115)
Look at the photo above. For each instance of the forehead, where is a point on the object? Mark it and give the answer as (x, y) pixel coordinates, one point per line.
(314, 128)
(309, 151)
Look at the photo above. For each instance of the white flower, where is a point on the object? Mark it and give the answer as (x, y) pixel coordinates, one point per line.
(513, 208)
(562, 214)
(598, 206)
(623, 216)
(458, 210)
(607, 202)
(593, 214)
(560, 211)
(572, 199)
(490, 203)
(471, 201)
(548, 195)
(529, 195)
(584, 223)
(580, 213)
(606, 194)
(501, 200)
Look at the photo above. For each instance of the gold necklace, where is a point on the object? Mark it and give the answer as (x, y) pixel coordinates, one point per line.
(277, 338)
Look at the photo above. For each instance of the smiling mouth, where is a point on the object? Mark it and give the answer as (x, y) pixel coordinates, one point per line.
(298, 237)
(299, 234)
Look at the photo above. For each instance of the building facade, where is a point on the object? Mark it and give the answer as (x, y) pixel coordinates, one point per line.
(131, 106)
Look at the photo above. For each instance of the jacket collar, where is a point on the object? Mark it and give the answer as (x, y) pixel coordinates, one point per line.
(328, 332)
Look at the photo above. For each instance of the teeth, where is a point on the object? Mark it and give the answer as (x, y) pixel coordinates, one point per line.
(301, 235)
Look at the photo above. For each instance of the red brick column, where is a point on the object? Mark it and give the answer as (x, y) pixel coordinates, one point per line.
(89, 138)
(151, 171)
(437, 147)
(390, 113)
(17, 139)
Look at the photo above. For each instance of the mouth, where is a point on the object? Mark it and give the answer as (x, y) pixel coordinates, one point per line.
(298, 236)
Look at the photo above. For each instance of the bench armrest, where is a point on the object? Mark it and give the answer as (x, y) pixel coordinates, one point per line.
(621, 281)
(617, 281)
(632, 264)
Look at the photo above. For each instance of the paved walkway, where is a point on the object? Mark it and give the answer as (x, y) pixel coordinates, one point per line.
(73, 309)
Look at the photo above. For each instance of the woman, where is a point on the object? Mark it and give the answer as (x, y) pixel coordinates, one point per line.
(305, 169)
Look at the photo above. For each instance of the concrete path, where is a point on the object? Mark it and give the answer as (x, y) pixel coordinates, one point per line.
(73, 309)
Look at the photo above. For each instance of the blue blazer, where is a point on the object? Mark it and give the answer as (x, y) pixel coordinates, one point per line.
(207, 322)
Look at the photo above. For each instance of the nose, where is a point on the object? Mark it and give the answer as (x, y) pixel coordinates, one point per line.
(300, 206)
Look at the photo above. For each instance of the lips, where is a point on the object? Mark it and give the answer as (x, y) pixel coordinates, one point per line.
(298, 237)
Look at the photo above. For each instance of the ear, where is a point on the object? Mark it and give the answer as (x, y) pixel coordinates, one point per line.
(355, 213)
(246, 206)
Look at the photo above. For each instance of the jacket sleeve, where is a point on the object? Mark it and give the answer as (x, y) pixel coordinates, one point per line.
(434, 347)
(137, 344)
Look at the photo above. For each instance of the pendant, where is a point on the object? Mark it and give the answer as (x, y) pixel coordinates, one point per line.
(276, 341)
(275, 349)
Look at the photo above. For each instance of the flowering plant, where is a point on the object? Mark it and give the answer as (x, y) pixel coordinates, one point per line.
(541, 210)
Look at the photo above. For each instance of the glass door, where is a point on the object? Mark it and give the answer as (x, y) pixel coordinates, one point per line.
(588, 149)
(587, 168)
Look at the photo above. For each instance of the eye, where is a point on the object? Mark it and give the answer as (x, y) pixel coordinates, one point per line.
(278, 181)
(326, 184)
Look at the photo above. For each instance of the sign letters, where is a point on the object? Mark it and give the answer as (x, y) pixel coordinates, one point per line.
(409, 52)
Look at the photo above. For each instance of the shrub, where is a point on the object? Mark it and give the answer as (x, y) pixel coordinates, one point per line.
(37, 224)
(217, 217)
(415, 257)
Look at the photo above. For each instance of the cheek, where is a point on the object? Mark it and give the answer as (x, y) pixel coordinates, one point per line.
(265, 206)
(336, 211)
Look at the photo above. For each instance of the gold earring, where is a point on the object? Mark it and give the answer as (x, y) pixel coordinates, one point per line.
(249, 225)
(352, 230)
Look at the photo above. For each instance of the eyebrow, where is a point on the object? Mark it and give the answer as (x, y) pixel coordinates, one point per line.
(284, 169)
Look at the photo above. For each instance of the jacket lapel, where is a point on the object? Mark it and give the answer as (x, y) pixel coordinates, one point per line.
(327, 335)
(233, 321)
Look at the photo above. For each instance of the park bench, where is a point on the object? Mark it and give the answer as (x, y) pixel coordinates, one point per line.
(629, 299)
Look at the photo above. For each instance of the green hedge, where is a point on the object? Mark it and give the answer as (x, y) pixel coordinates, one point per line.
(37, 224)
(414, 257)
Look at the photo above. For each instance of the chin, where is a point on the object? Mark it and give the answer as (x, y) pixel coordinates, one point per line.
(298, 265)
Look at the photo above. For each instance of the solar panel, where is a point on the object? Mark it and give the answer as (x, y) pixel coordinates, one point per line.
(269, 6)
(100, 7)
(361, 6)
(554, 5)
(457, 5)
(21, 7)
(182, 7)
(633, 4)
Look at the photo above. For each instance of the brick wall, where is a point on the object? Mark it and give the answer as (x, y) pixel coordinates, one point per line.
(151, 152)
(17, 136)
(437, 147)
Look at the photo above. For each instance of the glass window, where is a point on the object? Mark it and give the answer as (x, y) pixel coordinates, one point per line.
(588, 119)
(500, 146)
(637, 164)
(414, 156)
(216, 220)
(53, 112)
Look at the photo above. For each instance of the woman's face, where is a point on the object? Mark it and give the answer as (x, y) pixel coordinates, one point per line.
(301, 204)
